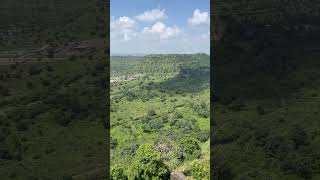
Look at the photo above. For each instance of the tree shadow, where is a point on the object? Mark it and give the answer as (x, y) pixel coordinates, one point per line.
(188, 80)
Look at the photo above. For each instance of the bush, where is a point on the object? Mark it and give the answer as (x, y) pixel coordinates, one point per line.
(202, 135)
(165, 117)
(278, 146)
(113, 143)
(129, 149)
(147, 164)
(298, 136)
(62, 118)
(155, 124)
(177, 115)
(172, 122)
(117, 173)
(190, 148)
(200, 170)
(201, 109)
(146, 128)
(151, 112)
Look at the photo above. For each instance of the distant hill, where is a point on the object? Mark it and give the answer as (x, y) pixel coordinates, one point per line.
(36, 22)
(163, 63)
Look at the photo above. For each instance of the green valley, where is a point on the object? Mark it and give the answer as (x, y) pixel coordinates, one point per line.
(160, 116)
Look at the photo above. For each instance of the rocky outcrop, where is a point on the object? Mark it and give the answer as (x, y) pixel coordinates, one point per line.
(177, 176)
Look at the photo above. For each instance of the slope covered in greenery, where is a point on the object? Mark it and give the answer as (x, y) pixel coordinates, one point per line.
(53, 89)
(160, 118)
(266, 86)
(52, 119)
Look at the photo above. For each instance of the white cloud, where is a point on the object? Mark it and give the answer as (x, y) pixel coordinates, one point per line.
(152, 15)
(123, 22)
(122, 28)
(129, 35)
(206, 35)
(161, 30)
(199, 18)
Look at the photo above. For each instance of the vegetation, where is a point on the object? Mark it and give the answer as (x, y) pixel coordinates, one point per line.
(53, 125)
(160, 116)
(266, 81)
(53, 89)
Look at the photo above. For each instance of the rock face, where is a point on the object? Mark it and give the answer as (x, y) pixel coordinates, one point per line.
(177, 176)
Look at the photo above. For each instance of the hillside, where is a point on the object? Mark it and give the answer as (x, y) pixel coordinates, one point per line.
(171, 63)
(164, 113)
(266, 86)
(54, 22)
(53, 83)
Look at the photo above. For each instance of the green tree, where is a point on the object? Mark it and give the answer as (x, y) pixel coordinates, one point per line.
(147, 164)
(117, 173)
(200, 170)
(190, 148)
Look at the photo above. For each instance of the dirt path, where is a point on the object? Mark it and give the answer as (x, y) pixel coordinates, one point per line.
(22, 58)
(34, 51)
(10, 61)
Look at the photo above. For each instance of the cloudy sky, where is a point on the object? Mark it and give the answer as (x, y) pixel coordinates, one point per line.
(160, 26)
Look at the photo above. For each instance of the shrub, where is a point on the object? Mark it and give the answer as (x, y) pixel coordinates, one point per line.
(146, 128)
(62, 118)
(201, 109)
(277, 146)
(172, 122)
(202, 135)
(113, 143)
(151, 112)
(165, 117)
(147, 164)
(298, 136)
(177, 115)
(155, 124)
(190, 148)
(200, 170)
(117, 173)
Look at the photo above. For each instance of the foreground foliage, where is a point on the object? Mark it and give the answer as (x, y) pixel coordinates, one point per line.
(160, 116)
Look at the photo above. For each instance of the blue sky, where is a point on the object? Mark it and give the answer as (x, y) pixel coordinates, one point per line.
(159, 26)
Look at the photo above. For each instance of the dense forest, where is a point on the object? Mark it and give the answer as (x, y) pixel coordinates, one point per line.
(160, 116)
(53, 85)
(266, 90)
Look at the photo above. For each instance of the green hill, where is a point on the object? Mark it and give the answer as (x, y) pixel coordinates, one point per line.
(164, 113)
(170, 63)
(53, 85)
(266, 86)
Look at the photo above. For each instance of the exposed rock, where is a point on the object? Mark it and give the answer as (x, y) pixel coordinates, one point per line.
(177, 176)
